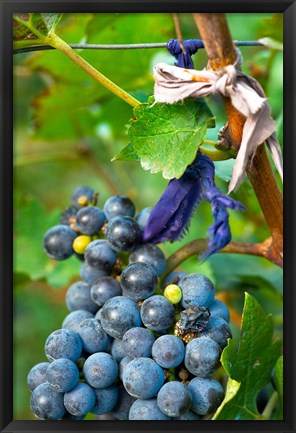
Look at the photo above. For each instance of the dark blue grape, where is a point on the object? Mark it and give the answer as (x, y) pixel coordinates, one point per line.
(219, 309)
(123, 233)
(143, 378)
(90, 274)
(63, 343)
(218, 330)
(146, 410)
(104, 289)
(124, 402)
(73, 319)
(100, 370)
(188, 416)
(100, 255)
(143, 216)
(174, 399)
(46, 403)
(137, 342)
(80, 400)
(89, 220)
(151, 255)
(196, 289)
(106, 399)
(78, 297)
(207, 395)
(63, 375)
(118, 315)
(58, 242)
(117, 350)
(168, 351)
(138, 281)
(157, 313)
(37, 375)
(119, 205)
(83, 196)
(202, 356)
(93, 337)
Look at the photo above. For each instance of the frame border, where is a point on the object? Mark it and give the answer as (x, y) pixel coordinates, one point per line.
(7, 8)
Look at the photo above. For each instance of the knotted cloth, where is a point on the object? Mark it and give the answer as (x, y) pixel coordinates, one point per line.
(174, 84)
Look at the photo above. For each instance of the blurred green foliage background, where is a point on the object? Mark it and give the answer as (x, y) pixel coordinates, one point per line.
(67, 127)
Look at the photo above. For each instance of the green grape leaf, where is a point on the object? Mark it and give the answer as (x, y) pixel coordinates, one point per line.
(30, 29)
(278, 379)
(166, 137)
(250, 364)
(127, 154)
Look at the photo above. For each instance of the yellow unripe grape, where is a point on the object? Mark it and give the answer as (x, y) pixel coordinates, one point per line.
(82, 201)
(80, 243)
(173, 293)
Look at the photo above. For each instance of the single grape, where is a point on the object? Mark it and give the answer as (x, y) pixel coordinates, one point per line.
(143, 217)
(173, 293)
(37, 375)
(219, 309)
(68, 217)
(138, 281)
(73, 319)
(106, 399)
(124, 402)
(63, 343)
(80, 243)
(90, 220)
(62, 374)
(142, 378)
(119, 206)
(118, 315)
(196, 289)
(80, 400)
(207, 395)
(157, 313)
(151, 255)
(174, 399)
(100, 255)
(90, 274)
(58, 242)
(100, 370)
(93, 337)
(104, 289)
(137, 342)
(117, 350)
(218, 330)
(168, 351)
(46, 403)
(202, 356)
(123, 233)
(82, 196)
(78, 297)
(146, 410)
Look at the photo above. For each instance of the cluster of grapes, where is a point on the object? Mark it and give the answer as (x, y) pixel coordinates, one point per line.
(130, 348)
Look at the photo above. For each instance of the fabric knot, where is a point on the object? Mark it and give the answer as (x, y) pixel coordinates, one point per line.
(184, 59)
(174, 84)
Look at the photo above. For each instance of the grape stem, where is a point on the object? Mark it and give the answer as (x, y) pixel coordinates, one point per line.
(197, 246)
(269, 408)
(55, 41)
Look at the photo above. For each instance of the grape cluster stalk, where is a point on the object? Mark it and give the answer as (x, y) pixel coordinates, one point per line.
(132, 347)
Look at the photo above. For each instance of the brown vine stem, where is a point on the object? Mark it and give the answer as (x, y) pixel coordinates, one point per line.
(218, 43)
(198, 246)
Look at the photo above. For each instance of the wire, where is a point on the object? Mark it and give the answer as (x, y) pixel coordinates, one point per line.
(122, 46)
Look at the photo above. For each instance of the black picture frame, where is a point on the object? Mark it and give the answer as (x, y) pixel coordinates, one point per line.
(288, 8)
